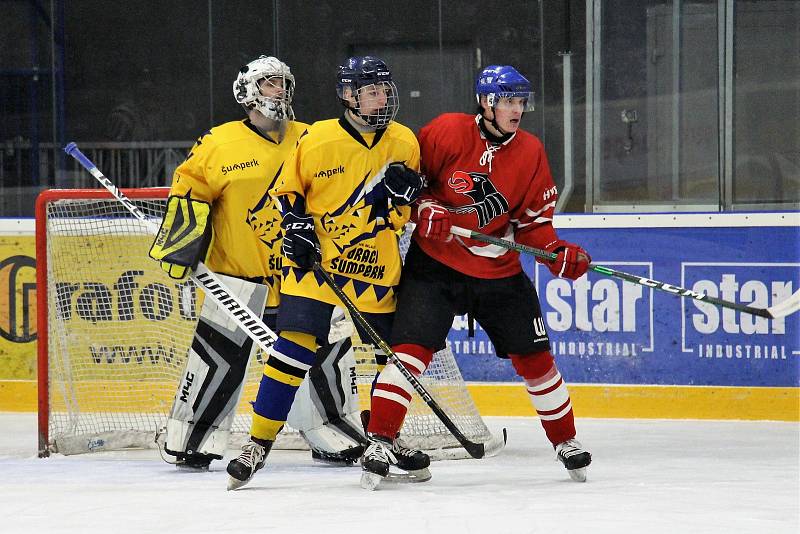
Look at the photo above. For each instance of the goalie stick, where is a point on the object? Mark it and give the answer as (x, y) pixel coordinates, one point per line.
(213, 287)
(782, 309)
(476, 450)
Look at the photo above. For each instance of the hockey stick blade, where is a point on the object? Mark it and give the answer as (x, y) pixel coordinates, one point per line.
(488, 449)
(476, 450)
(791, 305)
(212, 286)
(787, 307)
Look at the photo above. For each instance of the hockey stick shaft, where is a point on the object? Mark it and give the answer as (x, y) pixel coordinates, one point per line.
(213, 287)
(476, 450)
(791, 305)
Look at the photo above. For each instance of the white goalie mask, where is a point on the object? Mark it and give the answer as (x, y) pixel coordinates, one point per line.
(266, 84)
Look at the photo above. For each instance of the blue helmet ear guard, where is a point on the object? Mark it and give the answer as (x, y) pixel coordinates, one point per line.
(503, 81)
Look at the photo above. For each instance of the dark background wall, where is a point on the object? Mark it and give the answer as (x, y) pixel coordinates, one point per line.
(152, 71)
(149, 70)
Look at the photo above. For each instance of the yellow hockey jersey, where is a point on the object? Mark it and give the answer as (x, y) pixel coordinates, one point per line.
(339, 172)
(232, 167)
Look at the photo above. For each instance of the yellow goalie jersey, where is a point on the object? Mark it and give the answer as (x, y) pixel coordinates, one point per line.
(339, 173)
(232, 167)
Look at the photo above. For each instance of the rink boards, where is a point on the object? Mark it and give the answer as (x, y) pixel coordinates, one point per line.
(626, 350)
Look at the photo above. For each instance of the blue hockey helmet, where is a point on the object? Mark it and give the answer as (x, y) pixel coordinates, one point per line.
(503, 81)
(367, 73)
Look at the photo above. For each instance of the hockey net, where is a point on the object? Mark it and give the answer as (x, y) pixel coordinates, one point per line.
(115, 330)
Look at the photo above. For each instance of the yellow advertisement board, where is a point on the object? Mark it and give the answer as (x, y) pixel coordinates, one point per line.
(126, 327)
(17, 307)
(119, 328)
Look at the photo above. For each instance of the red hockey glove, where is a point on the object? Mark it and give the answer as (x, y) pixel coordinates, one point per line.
(572, 261)
(433, 220)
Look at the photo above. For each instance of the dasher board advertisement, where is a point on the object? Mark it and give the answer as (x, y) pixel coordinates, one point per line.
(606, 330)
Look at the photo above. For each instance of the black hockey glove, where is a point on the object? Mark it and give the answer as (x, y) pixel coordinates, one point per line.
(300, 243)
(403, 184)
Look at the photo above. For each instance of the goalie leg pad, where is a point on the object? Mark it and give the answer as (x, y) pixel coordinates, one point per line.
(205, 403)
(326, 410)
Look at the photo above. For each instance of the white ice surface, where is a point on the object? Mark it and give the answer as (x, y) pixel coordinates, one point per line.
(646, 477)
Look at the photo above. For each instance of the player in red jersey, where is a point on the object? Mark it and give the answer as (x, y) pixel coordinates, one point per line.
(485, 174)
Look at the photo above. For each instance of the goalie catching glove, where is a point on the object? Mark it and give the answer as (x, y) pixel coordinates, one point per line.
(300, 242)
(184, 236)
(403, 184)
(572, 261)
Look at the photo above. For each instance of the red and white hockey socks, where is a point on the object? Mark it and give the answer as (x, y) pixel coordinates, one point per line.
(548, 394)
(392, 393)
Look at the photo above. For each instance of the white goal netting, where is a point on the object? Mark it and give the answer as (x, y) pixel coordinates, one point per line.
(118, 329)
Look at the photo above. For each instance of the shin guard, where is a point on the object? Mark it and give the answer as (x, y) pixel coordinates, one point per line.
(548, 394)
(392, 393)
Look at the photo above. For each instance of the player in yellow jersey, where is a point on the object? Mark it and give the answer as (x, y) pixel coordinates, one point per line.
(344, 193)
(221, 191)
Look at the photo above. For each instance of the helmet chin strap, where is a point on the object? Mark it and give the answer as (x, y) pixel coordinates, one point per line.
(493, 121)
(358, 121)
(495, 124)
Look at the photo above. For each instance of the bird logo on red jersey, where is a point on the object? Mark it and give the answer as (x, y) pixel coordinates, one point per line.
(487, 202)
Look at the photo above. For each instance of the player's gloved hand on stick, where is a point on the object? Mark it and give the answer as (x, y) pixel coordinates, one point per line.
(300, 242)
(572, 261)
(403, 184)
(433, 220)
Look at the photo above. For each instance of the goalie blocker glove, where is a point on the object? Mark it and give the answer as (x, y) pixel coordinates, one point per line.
(184, 236)
(300, 242)
(572, 261)
(403, 184)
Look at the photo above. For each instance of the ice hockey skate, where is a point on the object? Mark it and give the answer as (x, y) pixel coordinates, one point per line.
(415, 463)
(250, 460)
(375, 462)
(575, 458)
(382, 454)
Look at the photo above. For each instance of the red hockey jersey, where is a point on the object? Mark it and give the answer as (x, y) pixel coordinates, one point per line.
(504, 190)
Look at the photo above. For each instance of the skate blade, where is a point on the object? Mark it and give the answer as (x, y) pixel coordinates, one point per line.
(578, 475)
(370, 481)
(235, 483)
(184, 468)
(412, 477)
